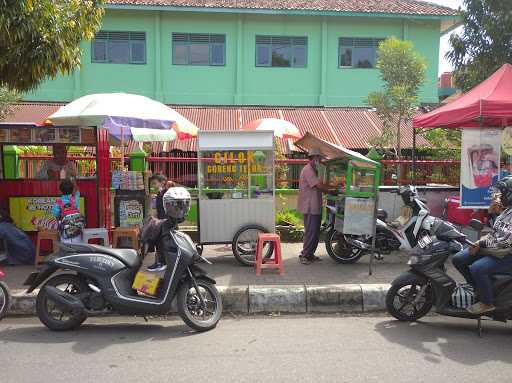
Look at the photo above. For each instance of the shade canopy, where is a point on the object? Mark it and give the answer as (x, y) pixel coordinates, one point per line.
(332, 151)
(487, 105)
(281, 128)
(118, 112)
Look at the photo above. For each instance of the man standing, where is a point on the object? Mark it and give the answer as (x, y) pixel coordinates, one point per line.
(59, 167)
(310, 204)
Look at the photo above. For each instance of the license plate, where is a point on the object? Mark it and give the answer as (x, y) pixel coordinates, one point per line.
(31, 278)
(424, 242)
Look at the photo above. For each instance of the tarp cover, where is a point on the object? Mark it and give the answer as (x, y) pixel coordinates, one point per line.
(488, 105)
(332, 151)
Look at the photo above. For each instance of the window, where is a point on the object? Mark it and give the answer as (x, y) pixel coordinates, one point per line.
(358, 52)
(281, 51)
(119, 47)
(198, 49)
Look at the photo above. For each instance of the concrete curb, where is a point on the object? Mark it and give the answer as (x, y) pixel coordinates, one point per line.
(296, 299)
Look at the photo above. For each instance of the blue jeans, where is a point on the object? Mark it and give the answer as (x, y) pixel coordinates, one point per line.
(478, 269)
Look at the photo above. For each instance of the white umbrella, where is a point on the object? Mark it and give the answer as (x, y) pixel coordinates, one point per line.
(119, 112)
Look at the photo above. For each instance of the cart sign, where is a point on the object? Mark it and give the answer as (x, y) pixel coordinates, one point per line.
(359, 216)
(480, 166)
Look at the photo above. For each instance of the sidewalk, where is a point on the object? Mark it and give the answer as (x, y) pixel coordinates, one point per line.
(324, 286)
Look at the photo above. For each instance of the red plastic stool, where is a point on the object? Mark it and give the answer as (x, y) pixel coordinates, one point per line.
(270, 263)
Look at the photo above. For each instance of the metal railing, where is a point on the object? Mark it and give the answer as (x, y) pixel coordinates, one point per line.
(446, 172)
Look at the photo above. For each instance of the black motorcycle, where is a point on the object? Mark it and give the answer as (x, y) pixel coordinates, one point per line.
(413, 294)
(99, 279)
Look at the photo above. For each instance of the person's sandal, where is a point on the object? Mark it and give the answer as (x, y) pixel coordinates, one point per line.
(314, 258)
(305, 261)
(480, 308)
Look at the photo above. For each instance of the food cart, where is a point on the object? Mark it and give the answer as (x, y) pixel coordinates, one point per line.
(357, 178)
(29, 197)
(236, 190)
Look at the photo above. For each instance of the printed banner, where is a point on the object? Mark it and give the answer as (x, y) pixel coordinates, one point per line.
(131, 213)
(29, 213)
(359, 216)
(480, 166)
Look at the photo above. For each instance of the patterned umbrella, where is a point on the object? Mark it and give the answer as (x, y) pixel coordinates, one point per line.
(281, 128)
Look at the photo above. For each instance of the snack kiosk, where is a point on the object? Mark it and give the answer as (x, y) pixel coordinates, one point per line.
(29, 196)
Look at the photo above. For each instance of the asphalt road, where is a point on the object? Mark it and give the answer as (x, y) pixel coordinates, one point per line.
(259, 349)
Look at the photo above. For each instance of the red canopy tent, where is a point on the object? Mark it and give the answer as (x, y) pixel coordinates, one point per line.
(487, 105)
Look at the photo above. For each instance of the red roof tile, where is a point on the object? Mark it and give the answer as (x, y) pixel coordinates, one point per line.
(349, 126)
(408, 7)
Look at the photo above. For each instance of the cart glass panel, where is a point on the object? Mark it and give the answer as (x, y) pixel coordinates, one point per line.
(236, 174)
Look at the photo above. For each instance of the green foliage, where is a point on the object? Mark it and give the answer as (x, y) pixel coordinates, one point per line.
(7, 98)
(446, 143)
(485, 43)
(293, 221)
(40, 38)
(402, 70)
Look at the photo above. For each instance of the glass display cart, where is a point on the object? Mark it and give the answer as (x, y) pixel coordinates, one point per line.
(236, 190)
(352, 209)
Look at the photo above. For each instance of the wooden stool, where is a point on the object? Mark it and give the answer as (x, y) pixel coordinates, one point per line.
(270, 263)
(50, 235)
(126, 232)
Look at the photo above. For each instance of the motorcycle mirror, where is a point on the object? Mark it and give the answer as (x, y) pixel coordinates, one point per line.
(476, 225)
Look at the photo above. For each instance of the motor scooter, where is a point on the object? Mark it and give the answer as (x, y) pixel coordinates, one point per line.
(348, 249)
(413, 294)
(99, 279)
(5, 296)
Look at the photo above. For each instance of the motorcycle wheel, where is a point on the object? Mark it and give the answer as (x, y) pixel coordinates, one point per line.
(192, 312)
(400, 300)
(244, 245)
(5, 300)
(52, 316)
(339, 250)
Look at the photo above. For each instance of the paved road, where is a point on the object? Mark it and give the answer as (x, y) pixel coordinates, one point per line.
(260, 349)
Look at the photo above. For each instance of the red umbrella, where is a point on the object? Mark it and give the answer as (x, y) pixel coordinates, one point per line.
(281, 128)
(489, 104)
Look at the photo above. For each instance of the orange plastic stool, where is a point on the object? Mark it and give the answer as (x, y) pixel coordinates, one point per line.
(126, 232)
(50, 235)
(270, 263)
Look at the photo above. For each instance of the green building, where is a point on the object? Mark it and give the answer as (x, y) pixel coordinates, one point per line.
(241, 52)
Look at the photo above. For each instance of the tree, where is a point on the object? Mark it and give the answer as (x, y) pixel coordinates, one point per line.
(402, 71)
(485, 43)
(7, 98)
(40, 38)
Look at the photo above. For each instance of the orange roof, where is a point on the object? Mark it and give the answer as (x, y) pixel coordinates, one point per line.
(351, 127)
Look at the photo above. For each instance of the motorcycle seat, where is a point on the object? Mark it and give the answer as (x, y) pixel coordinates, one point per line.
(128, 256)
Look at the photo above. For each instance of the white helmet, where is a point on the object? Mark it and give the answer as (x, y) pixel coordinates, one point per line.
(176, 201)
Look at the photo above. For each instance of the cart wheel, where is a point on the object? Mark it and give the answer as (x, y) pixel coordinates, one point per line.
(244, 244)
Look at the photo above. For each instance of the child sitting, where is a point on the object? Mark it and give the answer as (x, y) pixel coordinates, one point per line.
(67, 211)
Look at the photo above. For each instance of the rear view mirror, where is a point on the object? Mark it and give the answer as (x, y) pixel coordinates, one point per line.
(476, 225)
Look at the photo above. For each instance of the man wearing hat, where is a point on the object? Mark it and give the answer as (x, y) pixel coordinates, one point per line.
(310, 204)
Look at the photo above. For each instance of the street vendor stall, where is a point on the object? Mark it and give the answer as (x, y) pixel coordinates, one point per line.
(236, 189)
(354, 207)
(484, 114)
(30, 182)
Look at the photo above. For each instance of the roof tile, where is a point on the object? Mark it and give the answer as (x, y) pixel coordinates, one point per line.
(406, 7)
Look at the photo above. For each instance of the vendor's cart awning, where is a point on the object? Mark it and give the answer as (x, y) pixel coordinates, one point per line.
(332, 151)
(488, 105)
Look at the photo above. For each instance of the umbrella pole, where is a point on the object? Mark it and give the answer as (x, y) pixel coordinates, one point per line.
(122, 148)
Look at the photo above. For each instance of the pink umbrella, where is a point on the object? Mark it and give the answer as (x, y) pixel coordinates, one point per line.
(281, 128)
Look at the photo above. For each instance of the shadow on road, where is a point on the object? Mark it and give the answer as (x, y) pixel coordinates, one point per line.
(440, 338)
(91, 338)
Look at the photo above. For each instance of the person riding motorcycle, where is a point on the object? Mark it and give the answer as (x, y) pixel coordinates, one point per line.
(491, 254)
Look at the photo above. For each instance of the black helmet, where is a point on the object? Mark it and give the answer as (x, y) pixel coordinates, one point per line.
(408, 194)
(504, 187)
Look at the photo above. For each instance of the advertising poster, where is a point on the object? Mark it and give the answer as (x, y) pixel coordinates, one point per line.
(4, 135)
(131, 213)
(359, 216)
(69, 135)
(45, 135)
(21, 135)
(480, 166)
(29, 213)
